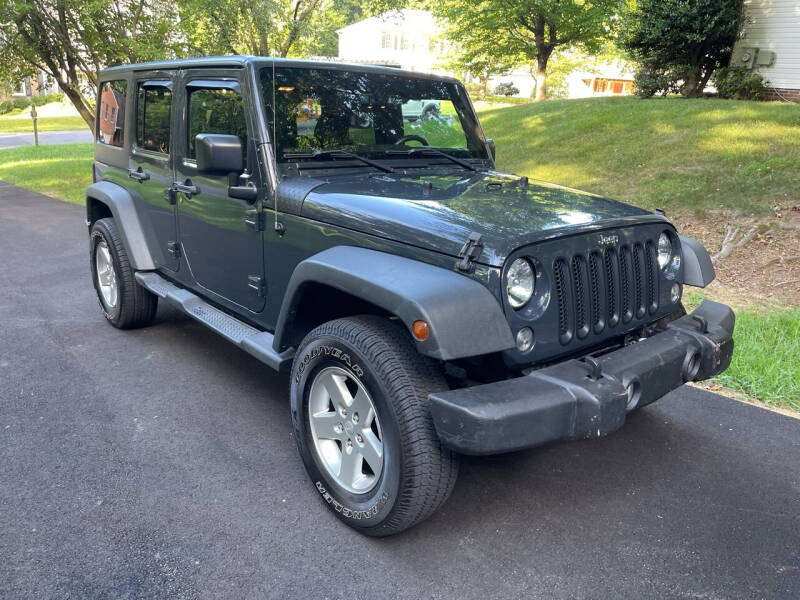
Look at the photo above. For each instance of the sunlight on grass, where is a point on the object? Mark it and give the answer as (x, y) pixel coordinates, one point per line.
(665, 152)
(24, 124)
(59, 171)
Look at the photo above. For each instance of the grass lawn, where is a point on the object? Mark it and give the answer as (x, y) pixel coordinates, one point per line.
(667, 153)
(62, 171)
(23, 124)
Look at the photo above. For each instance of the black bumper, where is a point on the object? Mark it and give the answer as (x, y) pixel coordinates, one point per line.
(580, 399)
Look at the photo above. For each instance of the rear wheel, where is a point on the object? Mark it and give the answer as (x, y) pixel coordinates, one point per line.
(363, 427)
(124, 302)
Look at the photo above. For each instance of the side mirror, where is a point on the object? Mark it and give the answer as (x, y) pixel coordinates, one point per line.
(492, 150)
(218, 153)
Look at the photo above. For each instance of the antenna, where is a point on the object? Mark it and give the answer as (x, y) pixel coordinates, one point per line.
(277, 226)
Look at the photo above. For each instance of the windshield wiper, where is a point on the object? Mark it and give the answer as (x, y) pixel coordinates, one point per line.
(323, 154)
(434, 151)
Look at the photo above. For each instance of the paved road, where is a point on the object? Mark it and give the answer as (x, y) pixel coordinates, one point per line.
(14, 140)
(159, 463)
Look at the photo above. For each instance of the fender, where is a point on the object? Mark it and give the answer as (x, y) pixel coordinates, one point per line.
(697, 267)
(463, 316)
(121, 205)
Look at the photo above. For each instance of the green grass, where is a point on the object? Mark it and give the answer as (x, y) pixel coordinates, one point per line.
(766, 359)
(766, 355)
(671, 153)
(24, 124)
(62, 171)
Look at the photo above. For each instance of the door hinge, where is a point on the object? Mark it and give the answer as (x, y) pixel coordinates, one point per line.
(469, 252)
(171, 196)
(255, 219)
(257, 284)
(174, 248)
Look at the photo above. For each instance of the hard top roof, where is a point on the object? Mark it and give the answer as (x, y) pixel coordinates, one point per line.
(241, 60)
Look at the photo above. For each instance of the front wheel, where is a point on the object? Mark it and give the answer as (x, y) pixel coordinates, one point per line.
(364, 431)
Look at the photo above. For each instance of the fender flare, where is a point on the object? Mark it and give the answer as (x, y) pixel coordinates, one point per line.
(698, 270)
(120, 202)
(463, 316)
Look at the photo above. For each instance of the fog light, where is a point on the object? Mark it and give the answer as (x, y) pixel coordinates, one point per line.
(674, 293)
(524, 339)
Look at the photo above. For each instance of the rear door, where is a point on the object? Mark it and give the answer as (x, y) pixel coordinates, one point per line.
(151, 165)
(220, 237)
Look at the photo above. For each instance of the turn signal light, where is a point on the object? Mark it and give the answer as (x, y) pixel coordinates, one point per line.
(420, 330)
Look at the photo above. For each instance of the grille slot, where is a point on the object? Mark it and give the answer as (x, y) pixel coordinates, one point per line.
(598, 290)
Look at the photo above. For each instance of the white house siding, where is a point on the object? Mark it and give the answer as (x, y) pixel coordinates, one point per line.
(774, 25)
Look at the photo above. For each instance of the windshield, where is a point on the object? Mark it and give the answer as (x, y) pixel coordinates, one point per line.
(370, 114)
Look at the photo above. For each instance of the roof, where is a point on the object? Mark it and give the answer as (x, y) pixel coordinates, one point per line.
(239, 61)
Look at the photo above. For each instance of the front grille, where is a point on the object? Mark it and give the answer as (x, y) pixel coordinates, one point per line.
(598, 290)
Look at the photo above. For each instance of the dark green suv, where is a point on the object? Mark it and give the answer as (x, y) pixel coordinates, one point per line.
(423, 303)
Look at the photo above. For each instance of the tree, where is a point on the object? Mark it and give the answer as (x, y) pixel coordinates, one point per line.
(529, 31)
(679, 40)
(71, 40)
(261, 27)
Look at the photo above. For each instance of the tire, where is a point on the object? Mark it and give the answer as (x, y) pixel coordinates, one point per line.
(417, 473)
(132, 305)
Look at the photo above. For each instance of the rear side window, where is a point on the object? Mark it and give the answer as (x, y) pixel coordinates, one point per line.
(152, 119)
(111, 113)
(215, 110)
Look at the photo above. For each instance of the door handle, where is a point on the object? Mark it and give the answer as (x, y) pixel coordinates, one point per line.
(138, 174)
(186, 188)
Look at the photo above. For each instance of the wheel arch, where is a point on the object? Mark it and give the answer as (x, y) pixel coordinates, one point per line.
(107, 199)
(464, 318)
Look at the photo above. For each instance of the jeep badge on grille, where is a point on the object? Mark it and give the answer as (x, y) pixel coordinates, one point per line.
(609, 240)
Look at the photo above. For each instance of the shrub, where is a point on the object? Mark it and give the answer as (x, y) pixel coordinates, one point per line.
(506, 89)
(649, 82)
(737, 83)
(6, 106)
(21, 103)
(43, 99)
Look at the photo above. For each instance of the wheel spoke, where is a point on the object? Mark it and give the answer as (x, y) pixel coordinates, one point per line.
(350, 470)
(362, 405)
(372, 450)
(337, 390)
(324, 424)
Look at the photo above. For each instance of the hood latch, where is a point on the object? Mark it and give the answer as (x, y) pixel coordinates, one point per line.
(469, 252)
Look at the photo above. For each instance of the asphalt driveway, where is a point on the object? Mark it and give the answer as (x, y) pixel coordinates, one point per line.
(160, 463)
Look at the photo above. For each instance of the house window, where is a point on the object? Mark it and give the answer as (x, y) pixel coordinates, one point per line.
(112, 101)
(386, 40)
(404, 41)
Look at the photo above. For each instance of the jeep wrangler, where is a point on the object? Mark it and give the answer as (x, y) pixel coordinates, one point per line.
(423, 303)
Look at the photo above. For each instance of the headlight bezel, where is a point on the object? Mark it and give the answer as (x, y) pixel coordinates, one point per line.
(664, 255)
(515, 302)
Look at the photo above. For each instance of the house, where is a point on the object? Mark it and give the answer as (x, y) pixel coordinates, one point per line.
(611, 78)
(408, 39)
(769, 45)
(110, 113)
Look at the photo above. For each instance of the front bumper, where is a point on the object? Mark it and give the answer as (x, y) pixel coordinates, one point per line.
(587, 398)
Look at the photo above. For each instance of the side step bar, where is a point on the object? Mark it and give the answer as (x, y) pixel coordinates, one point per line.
(251, 340)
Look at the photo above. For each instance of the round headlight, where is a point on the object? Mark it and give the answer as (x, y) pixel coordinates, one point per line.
(664, 249)
(519, 282)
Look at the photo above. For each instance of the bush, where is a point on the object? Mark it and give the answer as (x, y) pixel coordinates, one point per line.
(649, 82)
(737, 83)
(21, 103)
(506, 89)
(6, 106)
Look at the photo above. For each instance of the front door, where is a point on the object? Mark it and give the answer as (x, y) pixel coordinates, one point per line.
(150, 168)
(220, 238)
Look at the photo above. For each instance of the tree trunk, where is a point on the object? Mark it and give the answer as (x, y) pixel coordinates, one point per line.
(80, 105)
(542, 57)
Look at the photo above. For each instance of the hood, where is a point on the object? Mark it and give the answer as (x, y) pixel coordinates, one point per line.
(439, 211)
